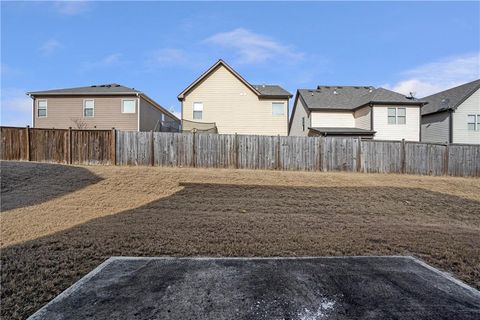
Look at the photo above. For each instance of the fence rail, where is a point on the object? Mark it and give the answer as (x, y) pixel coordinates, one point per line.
(204, 150)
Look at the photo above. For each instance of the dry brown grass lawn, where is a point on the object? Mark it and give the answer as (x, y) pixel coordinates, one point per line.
(59, 222)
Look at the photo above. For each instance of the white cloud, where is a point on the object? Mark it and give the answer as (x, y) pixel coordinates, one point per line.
(113, 58)
(110, 60)
(439, 75)
(49, 47)
(253, 48)
(71, 8)
(16, 107)
(168, 57)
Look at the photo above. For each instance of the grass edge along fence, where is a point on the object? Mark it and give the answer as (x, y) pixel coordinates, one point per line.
(205, 150)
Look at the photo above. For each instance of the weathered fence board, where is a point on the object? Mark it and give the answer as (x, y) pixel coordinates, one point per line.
(256, 152)
(14, 143)
(91, 147)
(381, 156)
(340, 154)
(48, 145)
(205, 150)
(215, 151)
(134, 148)
(464, 160)
(424, 158)
(57, 145)
(173, 149)
(298, 153)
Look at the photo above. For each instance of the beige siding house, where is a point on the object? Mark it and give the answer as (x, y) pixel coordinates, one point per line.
(453, 115)
(100, 107)
(221, 98)
(367, 112)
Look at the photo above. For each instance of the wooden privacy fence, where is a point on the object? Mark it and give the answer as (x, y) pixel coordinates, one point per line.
(238, 151)
(58, 145)
(296, 153)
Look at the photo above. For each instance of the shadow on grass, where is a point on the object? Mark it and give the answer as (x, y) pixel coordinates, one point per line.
(27, 183)
(240, 220)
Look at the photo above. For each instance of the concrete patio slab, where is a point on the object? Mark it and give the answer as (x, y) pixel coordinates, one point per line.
(265, 288)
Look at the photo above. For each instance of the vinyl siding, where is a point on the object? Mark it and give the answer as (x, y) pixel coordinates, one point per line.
(461, 134)
(436, 127)
(150, 116)
(409, 131)
(363, 118)
(234, 107)
(64, 112)
(326, 119)
(297, 129)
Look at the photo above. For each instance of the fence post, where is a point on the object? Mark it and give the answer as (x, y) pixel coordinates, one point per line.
(28, 143)
(69, 150)
(359, 154)
(236, 152)
(321, 152)
(113, 146)
(152, 148)
(445, 162)
(194, 154)
(403, 156)
(277, 154)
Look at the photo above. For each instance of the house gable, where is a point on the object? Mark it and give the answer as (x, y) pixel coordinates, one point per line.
(230, 103)
(297, 126)
(460, 132)
(212, 70)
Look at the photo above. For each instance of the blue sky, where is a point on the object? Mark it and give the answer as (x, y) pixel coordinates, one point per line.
(161, 47)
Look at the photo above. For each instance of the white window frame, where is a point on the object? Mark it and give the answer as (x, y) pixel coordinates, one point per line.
(283, 109)
(135, 106)
(476, 122)
(84, 108)
(193, 111)
(46, 108)
(396, 116)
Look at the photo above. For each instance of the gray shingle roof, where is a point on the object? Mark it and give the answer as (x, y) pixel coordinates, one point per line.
(338, 130)
(449, 99)
(101, 89)
(268, 90)
(350, 97)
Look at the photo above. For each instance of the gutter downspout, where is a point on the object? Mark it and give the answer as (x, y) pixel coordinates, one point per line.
(138, 111)
(450, 127)
(33, 109)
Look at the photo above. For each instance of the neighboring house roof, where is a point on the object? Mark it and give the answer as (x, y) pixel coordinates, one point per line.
(450, 99)
(342, 131)
(349, 98)
(101, 89)
(262, 91)
(271, 90)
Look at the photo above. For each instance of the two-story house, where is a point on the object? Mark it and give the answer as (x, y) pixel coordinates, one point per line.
(100, 107)
(363, 111)
(222, 101)
(453, 115)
